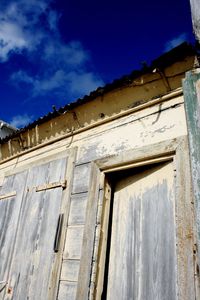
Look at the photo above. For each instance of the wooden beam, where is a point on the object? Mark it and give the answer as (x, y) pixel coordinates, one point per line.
(191, 90)
(195, 9)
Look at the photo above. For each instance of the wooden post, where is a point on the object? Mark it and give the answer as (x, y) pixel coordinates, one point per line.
(191, 89)
(195, 9)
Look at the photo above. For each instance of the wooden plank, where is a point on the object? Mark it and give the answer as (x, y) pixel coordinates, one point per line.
(65, 206)
(196, 18)
(137, 164)
(78, 209)
(140, 155)
(88, 237)
(101, 255)
(67, 290)
(142, 262)
(81, 178)
(70, 270)
(185, 232)
(191, 87)
(73, 243)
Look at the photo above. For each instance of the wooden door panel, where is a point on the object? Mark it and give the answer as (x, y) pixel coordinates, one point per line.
(34, 255)
(9, 216)
(142, 260)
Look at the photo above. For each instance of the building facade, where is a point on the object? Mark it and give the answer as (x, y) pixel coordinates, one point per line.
(96, 198)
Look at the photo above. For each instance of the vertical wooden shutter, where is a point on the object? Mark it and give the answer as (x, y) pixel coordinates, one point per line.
(34, 257)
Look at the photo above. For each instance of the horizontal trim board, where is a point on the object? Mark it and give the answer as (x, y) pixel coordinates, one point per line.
(139, 164)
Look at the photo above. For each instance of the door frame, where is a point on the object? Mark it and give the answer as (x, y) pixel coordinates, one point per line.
(90, 282)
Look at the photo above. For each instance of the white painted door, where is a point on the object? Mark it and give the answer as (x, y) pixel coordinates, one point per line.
(11, 194)
(142, 259)
(33, 260)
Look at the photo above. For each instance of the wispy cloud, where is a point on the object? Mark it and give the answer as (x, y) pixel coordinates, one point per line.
(18, 20)
(31, 28)
(21, 120)
(175, 41)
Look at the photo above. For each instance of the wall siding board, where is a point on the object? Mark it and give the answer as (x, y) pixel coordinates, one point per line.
(81, 179)
(70, 270)
(67, 290)
(88, 236)
(73, 244)
(77, 209)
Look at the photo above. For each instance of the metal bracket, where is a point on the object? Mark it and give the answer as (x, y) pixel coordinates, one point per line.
(48, 186)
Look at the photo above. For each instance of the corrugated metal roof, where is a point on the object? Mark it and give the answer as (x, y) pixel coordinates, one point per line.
(165, 60)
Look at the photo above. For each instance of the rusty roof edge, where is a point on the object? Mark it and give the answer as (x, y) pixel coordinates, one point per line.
(176, 54)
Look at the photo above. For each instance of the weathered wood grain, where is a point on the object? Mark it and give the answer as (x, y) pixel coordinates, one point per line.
(81, 178)
(36, 234)
(100, 258)
(78, 209)
(9, 215)
(88, 237)
(67, 290)
(70, 270)
(154, 128)
(185, 232)
(191, 87)
(142, 261)
(73, 243)
(150, 152)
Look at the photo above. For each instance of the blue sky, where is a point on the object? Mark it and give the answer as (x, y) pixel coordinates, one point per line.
(52, 52)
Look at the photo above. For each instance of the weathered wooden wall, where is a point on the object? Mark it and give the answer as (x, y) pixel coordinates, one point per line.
(156, 123)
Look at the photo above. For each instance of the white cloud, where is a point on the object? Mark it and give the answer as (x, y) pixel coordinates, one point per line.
(18, 21)
(71, 54)
(83, 83)
(74, 84)
(21, 76)
(21, 120)
(175, 41)
(11, 39)
(62, 68)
